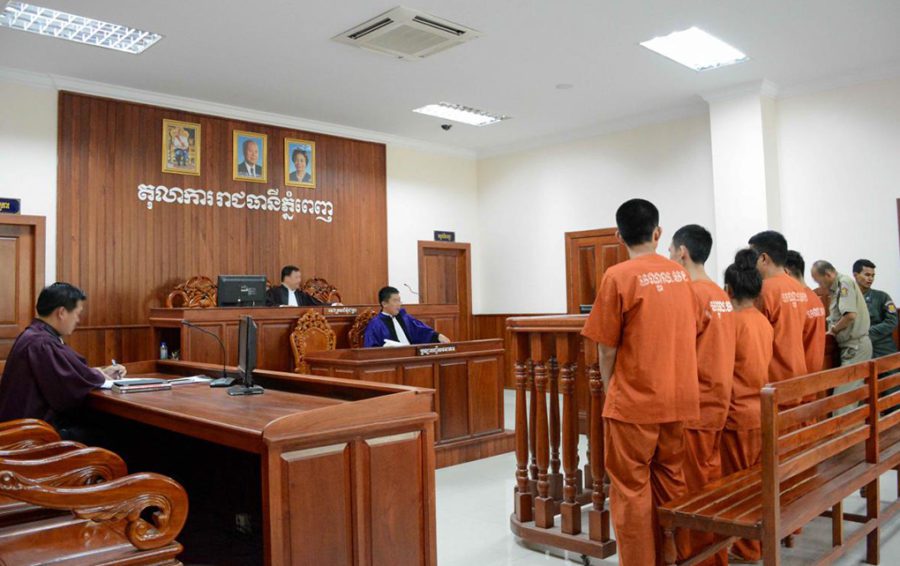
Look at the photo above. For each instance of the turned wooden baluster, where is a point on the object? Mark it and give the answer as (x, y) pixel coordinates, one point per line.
(543, 504)
(598, 517)
(554, 477)
(523, 497)
(532, 427)
(570, 509)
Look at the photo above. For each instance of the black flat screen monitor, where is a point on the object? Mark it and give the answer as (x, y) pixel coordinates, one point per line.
(242, 291)
(247, 349)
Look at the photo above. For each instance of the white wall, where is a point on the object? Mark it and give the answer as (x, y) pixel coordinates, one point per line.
(528, 200)
(28, 155)
(839, 160)
(428, 192)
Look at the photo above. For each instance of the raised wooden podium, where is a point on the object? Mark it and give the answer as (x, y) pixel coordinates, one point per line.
(467, 378)
(275, 326)
(343, 471)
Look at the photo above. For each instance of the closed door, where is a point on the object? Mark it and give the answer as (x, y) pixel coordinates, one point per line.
(445, 279)
(22, 258)
(588, 255)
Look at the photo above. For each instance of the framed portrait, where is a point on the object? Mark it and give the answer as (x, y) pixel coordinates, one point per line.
(181, 147)
(300, 163)
(249, 162)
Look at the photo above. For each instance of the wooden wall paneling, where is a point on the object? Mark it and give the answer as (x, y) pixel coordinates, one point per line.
(485, 395)
(128, 257)
(453, 400)
(421, 375)
(22, 253)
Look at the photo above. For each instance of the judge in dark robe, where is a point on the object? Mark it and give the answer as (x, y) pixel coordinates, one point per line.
(288, 293)
(44, 378)
(395, 324)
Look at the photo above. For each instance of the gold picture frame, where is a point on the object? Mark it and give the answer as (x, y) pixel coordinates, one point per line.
(240, 168)
(301, 149)
(181, 147)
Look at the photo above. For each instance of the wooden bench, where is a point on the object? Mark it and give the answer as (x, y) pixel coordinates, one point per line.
(811, 460)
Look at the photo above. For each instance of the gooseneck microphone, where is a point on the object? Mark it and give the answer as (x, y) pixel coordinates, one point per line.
(223, 381)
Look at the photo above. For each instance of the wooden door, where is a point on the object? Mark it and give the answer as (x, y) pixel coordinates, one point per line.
(445, 278)
(589, 254)
(22, 243)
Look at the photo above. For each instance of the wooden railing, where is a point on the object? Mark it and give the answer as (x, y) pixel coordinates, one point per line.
(551, 360)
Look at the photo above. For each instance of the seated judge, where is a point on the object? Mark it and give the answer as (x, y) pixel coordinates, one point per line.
(44, 378)
(395, 327)
(288, 294)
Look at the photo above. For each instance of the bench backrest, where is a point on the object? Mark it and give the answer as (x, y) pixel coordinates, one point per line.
(888, 371)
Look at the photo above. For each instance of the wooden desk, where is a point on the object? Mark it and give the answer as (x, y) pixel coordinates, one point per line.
(346, 468)
(275, 326)
(467, 378)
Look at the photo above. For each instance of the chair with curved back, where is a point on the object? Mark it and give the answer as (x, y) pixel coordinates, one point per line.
(311, 334)
(321, 290)
(356, 335)
(197, 292)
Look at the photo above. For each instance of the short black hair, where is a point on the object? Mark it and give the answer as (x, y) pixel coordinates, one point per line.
(287, 270)
(772, 244)
(742, 278)
(859, 264)
(696, 239)
(822, 267)
(385, 294)
(59, 295)
(636, 220)
(795, 264)
(298, 150)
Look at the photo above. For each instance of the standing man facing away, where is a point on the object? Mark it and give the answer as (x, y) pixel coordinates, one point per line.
(645, 324)
(882, 311)
(814, 329)
(848, 316)
(690, 249)
(44, 378)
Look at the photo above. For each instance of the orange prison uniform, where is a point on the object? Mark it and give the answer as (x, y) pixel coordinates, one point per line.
(814, 332)
(715, 369)
(742, 438)
(645, 309)
(784, 303)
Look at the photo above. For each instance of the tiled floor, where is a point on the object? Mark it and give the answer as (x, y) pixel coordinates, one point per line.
(474, 502)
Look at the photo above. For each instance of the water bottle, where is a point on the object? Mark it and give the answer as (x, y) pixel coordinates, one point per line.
(163, 351)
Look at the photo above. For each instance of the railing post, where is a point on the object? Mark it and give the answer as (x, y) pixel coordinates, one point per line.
(554, 477)
(543, 504)
(570, 509)
(598, 517)
(532, 427)
(523, 496)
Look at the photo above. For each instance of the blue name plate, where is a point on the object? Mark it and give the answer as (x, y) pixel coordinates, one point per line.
(10, 205)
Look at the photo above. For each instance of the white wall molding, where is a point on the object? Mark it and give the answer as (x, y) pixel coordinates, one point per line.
(764, 87)
(60, 82)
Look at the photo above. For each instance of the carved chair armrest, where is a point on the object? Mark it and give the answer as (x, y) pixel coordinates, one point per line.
(18, 423)
(42, 451)
(27, 435)
(152, 506)
(86, 466)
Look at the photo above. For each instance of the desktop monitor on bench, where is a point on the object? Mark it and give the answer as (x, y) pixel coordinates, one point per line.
(247, 331)
(241, 291)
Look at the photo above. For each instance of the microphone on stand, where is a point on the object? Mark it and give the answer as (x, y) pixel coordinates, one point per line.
(410, 289)
(223, 381)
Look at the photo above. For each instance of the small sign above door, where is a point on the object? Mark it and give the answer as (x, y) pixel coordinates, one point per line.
(14, 206)
(444, 236)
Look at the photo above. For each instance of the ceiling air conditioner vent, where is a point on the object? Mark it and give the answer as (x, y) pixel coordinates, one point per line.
(407, 34)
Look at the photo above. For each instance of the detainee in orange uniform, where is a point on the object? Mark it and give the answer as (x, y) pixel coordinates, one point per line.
(814, 328)
(645, 325)
(742, 437)
(690, 248)
(784, 303)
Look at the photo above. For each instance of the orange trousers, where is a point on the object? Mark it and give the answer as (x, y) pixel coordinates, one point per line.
(643, 462)
(702, 465)
(741, 450)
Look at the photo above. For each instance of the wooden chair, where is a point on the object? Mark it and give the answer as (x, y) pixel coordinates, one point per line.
(312, 333)
(197, 292)
(130, 520)
(41, 451)
(26, 433)
(321, 290)
(356, 336)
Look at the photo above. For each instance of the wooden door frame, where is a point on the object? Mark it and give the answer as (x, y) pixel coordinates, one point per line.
(570, 275)
(39, 223)
(465, 310)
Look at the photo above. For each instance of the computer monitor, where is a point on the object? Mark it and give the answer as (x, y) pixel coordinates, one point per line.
(242, 291)
(247, 330)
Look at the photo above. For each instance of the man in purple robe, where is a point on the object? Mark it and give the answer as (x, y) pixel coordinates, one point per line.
(395, 327)
(44, 378)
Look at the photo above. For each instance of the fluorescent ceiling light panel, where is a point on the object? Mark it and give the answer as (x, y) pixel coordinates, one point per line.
(696, 49)
(462, 114)
(61, 25)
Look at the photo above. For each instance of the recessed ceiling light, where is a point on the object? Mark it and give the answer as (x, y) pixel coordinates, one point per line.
(463, 114)
(696, 49)
(61, 25)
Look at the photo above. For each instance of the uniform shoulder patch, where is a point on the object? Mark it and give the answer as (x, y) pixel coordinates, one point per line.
(844, 291)
(891, 308)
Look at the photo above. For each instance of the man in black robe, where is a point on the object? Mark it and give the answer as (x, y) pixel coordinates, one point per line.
(288, 293)
(44, 378)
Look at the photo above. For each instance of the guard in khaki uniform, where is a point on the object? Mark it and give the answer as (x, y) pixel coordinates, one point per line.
(882, 311)
(848, 315)
(644, 322)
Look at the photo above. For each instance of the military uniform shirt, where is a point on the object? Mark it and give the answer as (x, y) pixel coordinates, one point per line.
(846, 298)
(883, 316)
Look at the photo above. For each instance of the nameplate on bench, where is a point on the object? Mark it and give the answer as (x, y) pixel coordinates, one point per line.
(341, 311)
(435, 350)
